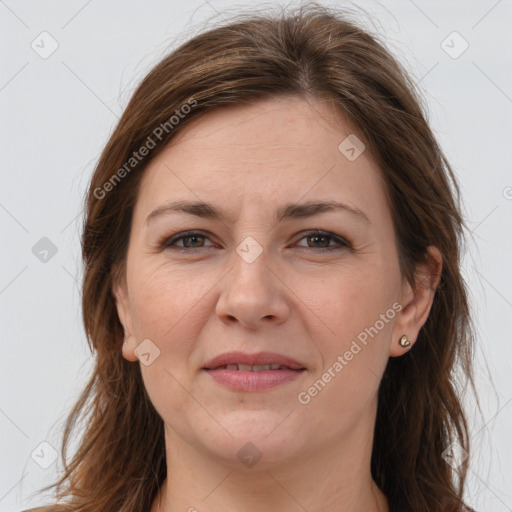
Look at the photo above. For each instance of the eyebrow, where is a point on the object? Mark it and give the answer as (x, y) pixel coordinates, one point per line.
(291, 210)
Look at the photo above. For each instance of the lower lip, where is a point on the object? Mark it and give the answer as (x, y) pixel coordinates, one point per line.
(254, 381)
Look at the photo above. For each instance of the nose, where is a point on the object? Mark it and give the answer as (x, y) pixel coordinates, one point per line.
(253, 294)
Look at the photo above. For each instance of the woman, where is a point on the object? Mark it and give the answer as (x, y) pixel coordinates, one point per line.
(272, 285)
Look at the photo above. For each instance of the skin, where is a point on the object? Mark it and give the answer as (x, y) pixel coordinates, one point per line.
(296, 299)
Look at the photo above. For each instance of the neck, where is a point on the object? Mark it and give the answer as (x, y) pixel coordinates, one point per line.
(335, 478)
(265, 497)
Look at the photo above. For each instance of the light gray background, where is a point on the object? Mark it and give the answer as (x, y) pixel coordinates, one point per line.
(57, 113)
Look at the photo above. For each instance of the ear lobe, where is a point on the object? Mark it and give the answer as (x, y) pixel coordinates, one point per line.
(417, 301)
(122, 302)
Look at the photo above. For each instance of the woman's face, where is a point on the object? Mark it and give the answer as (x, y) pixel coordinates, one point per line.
(254, 284)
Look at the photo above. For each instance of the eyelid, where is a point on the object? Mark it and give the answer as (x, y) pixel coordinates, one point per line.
(342, 243)
(168, 241)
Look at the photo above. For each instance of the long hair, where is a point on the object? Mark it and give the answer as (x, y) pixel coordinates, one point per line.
(311, 52)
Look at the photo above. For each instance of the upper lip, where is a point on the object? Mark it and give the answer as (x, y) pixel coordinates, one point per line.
(259, 358)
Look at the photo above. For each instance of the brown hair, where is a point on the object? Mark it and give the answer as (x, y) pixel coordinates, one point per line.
(312, 52)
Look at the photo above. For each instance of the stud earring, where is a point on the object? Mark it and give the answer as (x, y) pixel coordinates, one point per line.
(404, 341)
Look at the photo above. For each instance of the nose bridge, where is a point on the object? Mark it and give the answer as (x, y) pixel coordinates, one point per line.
(253, 236)
(250, 249)
(251, 291)
(250, 264)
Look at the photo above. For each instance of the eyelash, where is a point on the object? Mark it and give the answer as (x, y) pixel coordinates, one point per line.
(168, 243)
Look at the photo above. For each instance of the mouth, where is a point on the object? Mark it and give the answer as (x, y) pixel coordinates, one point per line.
(253, 372)
(253, 367)
(260, 361)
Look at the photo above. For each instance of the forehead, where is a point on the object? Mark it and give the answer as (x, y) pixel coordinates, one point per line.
(278, 150)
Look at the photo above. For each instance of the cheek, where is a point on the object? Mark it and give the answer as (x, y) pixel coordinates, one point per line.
(166, 309)
(357, 318)
(355, 349)
(166, 299)
(350, 301)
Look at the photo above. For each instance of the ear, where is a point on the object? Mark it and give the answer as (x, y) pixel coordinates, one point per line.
(417, 301)
(122, 300)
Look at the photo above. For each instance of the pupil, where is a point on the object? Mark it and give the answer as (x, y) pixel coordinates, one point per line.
(192, 237)
(317, 237)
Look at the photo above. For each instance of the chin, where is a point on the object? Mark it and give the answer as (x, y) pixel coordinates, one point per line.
(254, 455)
(258, 440)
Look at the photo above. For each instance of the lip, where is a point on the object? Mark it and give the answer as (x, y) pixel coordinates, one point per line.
(240, 380)
(259, 358)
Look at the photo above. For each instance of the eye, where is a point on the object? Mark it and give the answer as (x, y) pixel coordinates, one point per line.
(190, 241)
(323, 237)
(195, 240)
